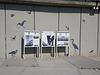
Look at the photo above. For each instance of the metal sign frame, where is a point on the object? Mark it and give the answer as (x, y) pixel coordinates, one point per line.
(29, 37)
(48, 40)
(63, 40)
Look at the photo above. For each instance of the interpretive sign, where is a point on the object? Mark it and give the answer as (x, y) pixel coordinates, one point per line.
(48, 38)
(31, 38)
(62, 38)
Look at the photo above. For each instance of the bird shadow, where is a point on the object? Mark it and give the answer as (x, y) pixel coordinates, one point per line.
(13, 53)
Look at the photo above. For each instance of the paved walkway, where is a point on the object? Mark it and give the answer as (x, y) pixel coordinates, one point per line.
(83, 62)
(45, 66)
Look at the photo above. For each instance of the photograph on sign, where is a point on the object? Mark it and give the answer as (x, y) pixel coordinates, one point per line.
(32, 39)
(36, 38)
(48, 38)
(28, 38)
(62, 38)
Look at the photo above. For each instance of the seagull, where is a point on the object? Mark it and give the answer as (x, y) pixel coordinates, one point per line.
(21, 24)
(13, 53)
(67, 27)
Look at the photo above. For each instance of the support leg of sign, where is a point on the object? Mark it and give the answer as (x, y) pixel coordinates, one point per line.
(24, 53)
(54, 51)
(34, 51)
(41, 52)
(37, 52)
(41, 49)
(68, 51)
(65, 50)
(51, 51)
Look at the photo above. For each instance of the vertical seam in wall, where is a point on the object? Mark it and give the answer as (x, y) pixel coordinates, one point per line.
(58, 17)
(98, 33)
(5, 34)
(58, 23)
(80, 31)
(34, 16)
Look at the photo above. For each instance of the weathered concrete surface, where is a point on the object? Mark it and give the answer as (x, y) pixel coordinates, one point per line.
(84, 62)
(44, 62)
(37, 71)
(45, 66)
(96, 57)
(89, 72)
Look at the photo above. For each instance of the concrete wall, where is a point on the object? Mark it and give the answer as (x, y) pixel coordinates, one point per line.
(99, 35)
(46, 19)
(2, 31)
(71, 17)
(89, 32)
(83, 24)
(16, 14)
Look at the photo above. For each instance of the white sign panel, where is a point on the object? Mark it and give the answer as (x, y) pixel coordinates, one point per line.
(48, 38)
(31, 39)
(36, 39)
(62, 38)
